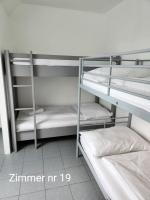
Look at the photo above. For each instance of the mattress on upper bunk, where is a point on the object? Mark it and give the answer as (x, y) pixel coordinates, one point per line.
(124, 176)
(62, 116)
(93, 80)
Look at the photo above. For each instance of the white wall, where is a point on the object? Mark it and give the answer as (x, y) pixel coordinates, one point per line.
(128, 26)
(4, 43)
(4, 27)
(3, 30)
(2, 20)
(57, 31)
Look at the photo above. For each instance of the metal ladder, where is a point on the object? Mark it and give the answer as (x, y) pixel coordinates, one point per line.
(12, 88)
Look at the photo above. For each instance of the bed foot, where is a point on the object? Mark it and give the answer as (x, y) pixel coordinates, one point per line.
(78, 152)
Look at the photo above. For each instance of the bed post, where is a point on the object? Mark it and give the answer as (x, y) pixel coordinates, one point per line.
(113, 107)
(129, 120)
(113, 110)
(79, 102)
(110, 74)
(97, 99)
(33, 99)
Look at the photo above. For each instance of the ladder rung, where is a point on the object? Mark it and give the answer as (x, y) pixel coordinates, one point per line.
(23, 109)
(26, 60)
(21, 65)
(20, 86)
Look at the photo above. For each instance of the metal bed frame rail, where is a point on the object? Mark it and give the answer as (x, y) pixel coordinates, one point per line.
(44, 65)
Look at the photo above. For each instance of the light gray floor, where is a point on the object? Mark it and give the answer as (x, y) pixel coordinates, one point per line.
(54, 158)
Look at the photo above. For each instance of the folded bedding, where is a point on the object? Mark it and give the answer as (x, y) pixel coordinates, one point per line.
(94, 76)
(93, 111)
(52, 112)
(96, 73)
(139, 88)
(132, 172)
(53, 116)
(125, 72)
(114, 140)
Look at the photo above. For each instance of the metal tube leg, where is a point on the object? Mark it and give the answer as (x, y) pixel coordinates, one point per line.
(77, 152)
(33, 99)
(79, 102)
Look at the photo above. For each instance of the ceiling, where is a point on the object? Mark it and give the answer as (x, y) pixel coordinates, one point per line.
(99, 6)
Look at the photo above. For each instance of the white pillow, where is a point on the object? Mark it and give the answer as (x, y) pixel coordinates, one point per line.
(106, 71)
(93, 111)
(95, 78)
(112, 141)
(139, 73)
(141, 126)
(125, 72)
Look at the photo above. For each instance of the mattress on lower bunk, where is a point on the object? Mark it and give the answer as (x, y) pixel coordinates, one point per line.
(123, 96)
(62, 116)
(124, 176)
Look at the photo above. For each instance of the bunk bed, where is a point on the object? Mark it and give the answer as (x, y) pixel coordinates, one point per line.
(38, 121)
(120, 171)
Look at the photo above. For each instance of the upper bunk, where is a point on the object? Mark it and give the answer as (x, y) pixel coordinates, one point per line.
(122, 79)
(44, 65)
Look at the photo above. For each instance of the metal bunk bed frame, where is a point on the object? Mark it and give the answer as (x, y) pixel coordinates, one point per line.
(141, 113)
(30, 65)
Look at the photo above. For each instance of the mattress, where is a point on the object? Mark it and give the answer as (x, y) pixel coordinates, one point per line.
(125, 176)
(109, 183)
(123, 96)
(133, 173)
(47, 62)
(60, 116)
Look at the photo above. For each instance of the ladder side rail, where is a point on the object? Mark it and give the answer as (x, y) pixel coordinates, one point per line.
(33, 100)
(11, 100)
(110, 76)
(79, 106)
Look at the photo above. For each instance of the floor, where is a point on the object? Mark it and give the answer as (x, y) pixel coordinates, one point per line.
(56, 160)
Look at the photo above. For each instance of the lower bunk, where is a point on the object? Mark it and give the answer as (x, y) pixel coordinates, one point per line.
(125, 172)
(56, 121)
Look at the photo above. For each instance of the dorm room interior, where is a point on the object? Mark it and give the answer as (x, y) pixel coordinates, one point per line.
(75, 100)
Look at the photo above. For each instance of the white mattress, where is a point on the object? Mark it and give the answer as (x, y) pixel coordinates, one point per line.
(109, 183)
(47, 62)
(56, 116)
(131, 99)
(125, 176)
